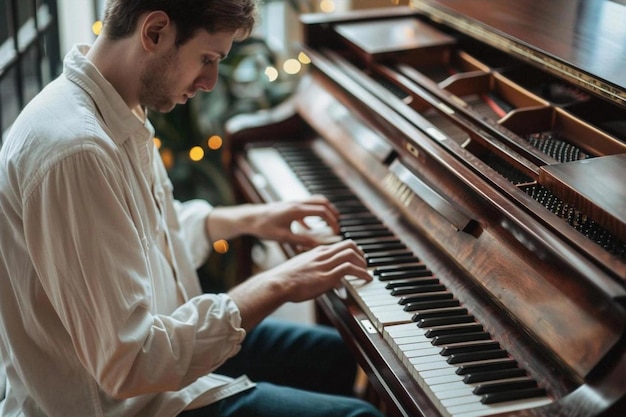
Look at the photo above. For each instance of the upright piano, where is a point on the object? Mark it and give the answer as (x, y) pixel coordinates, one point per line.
(476, 150)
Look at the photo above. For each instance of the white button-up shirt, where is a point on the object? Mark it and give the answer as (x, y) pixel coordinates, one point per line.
(101, 312)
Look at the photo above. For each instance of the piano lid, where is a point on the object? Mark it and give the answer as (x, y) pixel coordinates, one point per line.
(583, 41)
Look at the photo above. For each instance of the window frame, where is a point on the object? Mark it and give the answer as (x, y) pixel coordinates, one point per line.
(37, 36)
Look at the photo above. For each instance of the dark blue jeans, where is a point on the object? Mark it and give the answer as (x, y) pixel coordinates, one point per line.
(301, 371)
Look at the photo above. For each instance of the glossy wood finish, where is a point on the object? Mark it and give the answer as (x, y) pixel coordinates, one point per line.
(554, 299)
(581, 38)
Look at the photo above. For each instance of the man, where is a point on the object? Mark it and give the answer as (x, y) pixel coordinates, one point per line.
(101, 312)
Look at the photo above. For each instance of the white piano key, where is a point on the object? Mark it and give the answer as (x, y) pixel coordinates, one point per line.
(393, 317)
(451, 386)
(417, 347)
(269, 163)
(478, 409)
(421, 365)
(405, 340)
(459, 389)
(419, 350)
(401, 330)
(443, 378)
(434, 373)
(455, 393)
(461, 400)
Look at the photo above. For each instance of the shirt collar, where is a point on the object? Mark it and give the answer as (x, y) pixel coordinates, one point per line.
(117, 116)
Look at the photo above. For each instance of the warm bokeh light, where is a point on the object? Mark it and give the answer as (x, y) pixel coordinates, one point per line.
(292, 66)
(271, 73)
(327, 6)
(168, 158)
(215, 142)
(157, 142)
(220, 246)
(304, 58)
(196, 153)
(97, 27)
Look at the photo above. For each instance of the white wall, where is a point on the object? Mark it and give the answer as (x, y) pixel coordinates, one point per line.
(75, 20)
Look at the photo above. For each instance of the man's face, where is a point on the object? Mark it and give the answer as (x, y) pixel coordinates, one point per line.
(174, 75)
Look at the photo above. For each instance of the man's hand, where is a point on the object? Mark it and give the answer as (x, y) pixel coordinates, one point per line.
(314, 219)
(300, 278)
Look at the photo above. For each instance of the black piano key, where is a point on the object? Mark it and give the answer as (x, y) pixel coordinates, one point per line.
(316, 180)
(345, 209)
(364, 217)
(381, 247)
(418, 298)
(399, 268)
(508, 385)
(482, 355)
(428, 305)
(390, 253)
(411, 282)
(350, 204)
(413, 289)
(457, 338)
(408, 273)
(319, 179)
(377, 240)
(362, 220)
(362, 228)
(489, 366)
(471, 346)
(453, 329)
(493, 375)
(441, 321)
(300, 165)
(438, 312)
(521, 394)
(385, 257)
(390, 260)
(340, 198)
(317, 184)
(367, 234)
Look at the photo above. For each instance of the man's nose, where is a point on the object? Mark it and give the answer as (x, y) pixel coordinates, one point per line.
(206, 82)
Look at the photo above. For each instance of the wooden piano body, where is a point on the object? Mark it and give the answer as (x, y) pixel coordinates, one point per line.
(489, 138)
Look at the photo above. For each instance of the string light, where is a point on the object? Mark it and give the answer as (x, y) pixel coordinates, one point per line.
(168, 158)
(327, 6)
(220, 246)
(215, 142)
(292, 66)
(97, 27)
(157, 142)
(271, 73)
(196, 153)
(304, 58)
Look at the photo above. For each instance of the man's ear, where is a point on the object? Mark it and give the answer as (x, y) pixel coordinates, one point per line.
(154, 28)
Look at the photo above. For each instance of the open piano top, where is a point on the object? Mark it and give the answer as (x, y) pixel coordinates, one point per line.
(477, 145)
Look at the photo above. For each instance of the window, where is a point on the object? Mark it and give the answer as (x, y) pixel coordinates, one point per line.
(29, 53)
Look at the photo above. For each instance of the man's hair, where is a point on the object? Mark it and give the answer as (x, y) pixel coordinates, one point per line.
(120, 16)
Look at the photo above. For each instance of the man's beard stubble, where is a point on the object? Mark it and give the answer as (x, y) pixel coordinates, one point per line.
(156, 82)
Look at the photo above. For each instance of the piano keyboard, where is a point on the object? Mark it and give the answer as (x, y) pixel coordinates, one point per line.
(463, 370)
